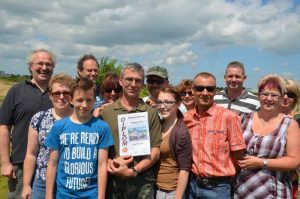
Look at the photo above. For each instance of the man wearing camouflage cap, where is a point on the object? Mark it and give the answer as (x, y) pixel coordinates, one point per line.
(156, 78)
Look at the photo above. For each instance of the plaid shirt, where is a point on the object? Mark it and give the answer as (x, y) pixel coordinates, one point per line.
(214, 135)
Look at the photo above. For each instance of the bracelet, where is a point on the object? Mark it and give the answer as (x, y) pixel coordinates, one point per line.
(265, 163)
(135, 173)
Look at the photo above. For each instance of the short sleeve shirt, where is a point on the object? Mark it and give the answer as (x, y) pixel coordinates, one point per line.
(22, 101)
(78, 146)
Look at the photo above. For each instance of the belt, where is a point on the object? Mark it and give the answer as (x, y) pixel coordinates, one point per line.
(164, 190)
(214, 180)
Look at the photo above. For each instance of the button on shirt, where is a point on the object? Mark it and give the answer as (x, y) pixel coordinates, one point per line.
(214, 133)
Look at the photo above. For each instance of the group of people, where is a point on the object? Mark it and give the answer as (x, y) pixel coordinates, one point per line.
(64, 134)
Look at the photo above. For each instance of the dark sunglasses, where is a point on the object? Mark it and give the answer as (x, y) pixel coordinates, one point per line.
(291, 95)
(190, 93)
(208, 88)
(117, 90)
(157, 81)
(57, 94)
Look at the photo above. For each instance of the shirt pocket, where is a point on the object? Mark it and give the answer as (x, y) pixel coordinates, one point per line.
(217, 142)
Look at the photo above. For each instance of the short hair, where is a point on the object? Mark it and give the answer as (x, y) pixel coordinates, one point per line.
(110, 80)
(83, 83)
(205, 75)
(272, 81)
(235, 64)
(293, 86)
(184, 84)
(175, 93)
(31, 55)
(62, 79)
(133, 66)
(83, 59)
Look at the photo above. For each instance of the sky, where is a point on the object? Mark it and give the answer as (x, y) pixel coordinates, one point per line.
(184, 36)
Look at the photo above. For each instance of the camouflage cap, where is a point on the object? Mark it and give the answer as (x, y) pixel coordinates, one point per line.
(158, 71)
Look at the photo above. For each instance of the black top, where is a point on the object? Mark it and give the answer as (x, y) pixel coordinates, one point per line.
(22, 101)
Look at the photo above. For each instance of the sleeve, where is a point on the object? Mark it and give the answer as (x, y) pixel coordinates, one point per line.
(52, 140)
(184, 150)
(35, 120)
(8, 108)
(106, 139)
(234, 132)
(154, 128)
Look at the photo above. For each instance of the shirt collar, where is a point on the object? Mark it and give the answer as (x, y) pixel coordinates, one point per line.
(141, 106)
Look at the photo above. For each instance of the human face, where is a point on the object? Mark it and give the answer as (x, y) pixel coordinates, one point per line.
(90, 70)
(167, 105)
(41, 67)
(288, 101)
(83, 101)
(112, 94)
(187, 97)
(234, 78)
(270, 99)
(132, 82)
(154, 83)
(60, 96)
(204, 99)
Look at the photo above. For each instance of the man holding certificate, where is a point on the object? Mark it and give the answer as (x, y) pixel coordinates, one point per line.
(136, 131)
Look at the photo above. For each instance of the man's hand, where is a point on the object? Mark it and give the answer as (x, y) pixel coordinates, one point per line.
(119, 166)
(7, 170)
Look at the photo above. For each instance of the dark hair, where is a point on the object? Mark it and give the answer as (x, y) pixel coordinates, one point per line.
(83, 59)
(173, 91)
(83, 83)
(205, 75)
(235, 64)
(111, 80)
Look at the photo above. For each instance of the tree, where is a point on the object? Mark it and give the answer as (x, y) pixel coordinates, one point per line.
(108, 65)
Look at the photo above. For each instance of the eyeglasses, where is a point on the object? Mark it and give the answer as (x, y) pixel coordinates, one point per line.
(190, 93)
(57, 94)
(155, 81)
(291, 95)
(41, 64)
(202, 88)
(273, 95)
(117, 90)
(165, 103)
(130, 80)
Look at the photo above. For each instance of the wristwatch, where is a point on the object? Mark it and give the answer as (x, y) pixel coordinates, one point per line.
(265, 163)
(135, 173)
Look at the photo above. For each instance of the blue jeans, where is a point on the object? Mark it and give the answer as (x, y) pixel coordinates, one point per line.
(220, 190)
(38, 189)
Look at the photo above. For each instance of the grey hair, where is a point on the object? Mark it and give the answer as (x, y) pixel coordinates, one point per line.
(133, 66)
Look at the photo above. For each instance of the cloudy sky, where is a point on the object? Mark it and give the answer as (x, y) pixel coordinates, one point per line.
(185, 36)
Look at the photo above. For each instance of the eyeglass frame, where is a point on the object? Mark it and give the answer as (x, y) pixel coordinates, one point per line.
(41, 64)
(166, 103)
(200, 88)
(56, 95)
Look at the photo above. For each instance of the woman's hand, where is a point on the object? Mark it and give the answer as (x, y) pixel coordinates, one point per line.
(250, 162)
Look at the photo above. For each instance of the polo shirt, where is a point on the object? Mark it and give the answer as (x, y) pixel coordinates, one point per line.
(22, 101)
(246, 103)
(214, 134)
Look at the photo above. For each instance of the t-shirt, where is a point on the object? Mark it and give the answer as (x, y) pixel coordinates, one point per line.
(78, 146)
(22, 101)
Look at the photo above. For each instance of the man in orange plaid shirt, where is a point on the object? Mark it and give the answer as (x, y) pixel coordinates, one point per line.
(217, 142)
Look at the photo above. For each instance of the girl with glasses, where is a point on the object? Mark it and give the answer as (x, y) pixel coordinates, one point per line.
(175, 149)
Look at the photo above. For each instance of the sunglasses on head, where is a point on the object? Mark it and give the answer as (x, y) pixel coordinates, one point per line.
(291, 95)
(202, 88)
(157, 81)
(190, 93)
(117, 90)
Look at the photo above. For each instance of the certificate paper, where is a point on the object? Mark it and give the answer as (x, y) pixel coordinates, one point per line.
(134, 136)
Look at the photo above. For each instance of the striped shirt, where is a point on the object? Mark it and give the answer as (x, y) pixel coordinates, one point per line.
(246, 103)
(214, 135)
(264, 183)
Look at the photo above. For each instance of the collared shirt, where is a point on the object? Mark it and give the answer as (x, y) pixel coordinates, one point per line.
(246, 103)
(215, 133)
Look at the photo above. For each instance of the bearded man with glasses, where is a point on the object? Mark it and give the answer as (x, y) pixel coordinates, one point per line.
(22, 101)
(217, 142)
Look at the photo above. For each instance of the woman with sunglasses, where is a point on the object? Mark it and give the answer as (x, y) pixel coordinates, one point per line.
(175, 148)
(290, 107)
(185, 88)
(111, 90)
(272, 146)
(37, 154)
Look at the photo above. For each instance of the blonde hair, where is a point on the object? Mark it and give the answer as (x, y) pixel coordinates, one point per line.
(63, 79)
(293, 86)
